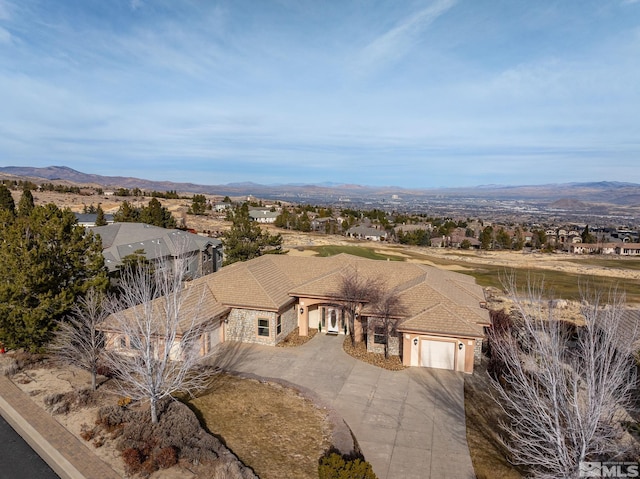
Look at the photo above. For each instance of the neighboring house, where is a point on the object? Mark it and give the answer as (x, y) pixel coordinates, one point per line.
(367, 233)
(324, 224)
(263, 216)
(264, 299)
(88, 220)
(596, 248)
(628, 249)
(221, 207)
(456, 240)
(120, 240)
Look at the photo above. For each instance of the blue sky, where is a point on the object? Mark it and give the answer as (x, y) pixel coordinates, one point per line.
(408, 93)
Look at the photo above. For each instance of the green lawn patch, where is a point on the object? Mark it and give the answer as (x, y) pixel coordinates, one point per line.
(332, 250)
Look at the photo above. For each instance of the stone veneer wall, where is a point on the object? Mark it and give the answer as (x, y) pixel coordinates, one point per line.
(372, 347)
(477, 351)
(289, 322)
(243, 326)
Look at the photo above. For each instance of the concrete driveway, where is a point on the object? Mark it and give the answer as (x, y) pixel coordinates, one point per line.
(409, 424)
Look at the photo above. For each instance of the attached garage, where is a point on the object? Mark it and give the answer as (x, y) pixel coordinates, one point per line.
(437, 354)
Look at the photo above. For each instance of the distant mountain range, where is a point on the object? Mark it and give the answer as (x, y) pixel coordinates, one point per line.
(564, 194)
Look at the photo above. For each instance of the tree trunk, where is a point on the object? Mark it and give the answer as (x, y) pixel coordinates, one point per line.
(358, 333)
(154, 410)
(94, 385)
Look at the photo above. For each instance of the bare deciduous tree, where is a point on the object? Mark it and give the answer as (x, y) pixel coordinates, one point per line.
(353, 292)
(78, 340)
(388, 309)
(159, 315)
(563, 386)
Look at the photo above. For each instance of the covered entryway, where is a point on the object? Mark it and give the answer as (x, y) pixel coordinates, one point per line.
(437, 354)
(333, 326)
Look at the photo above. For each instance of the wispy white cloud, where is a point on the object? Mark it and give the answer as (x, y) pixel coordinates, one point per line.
(397, 41)
(217, 92)
(5, 36)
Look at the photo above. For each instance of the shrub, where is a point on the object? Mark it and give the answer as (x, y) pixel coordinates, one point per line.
(166, 457)
(62, 403)
(52, 399)
(336, 466)
(87, 433)
(104, 370)
(132, 461)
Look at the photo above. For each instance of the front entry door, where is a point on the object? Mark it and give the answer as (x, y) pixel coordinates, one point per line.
(332, 323)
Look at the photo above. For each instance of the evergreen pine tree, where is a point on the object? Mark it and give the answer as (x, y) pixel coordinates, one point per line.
(157, 215)
(246, 240)
(198, 205)
(26, 204)
(100, 220)
(46, 262)
(6, 200)
(126, 213)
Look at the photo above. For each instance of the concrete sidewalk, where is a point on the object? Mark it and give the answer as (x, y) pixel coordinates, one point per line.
(410, 424)
(64, 453)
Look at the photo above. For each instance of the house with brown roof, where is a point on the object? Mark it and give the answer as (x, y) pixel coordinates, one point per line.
(266, 298)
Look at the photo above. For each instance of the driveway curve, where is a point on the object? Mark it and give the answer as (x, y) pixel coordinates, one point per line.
(409, 424)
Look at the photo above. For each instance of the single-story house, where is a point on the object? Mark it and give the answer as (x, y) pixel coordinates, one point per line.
(442, 324)
(367, 233)
(120, 240)
(595, 248)
(88, 220)
(628, 249)
(263, 216)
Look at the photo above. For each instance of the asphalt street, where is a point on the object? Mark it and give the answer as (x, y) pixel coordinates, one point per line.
(17, 459)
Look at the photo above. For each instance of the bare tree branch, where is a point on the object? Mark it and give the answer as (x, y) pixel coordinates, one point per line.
(563, 386)
(354, 291)
(388, 310)
(159, 316)
(78, 340)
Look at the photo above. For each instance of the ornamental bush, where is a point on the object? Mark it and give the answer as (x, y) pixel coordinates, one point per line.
(336, 466)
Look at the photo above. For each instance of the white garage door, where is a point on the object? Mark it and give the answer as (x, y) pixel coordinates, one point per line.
(437, 354)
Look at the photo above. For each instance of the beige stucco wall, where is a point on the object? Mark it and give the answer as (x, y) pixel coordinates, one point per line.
(464, 360)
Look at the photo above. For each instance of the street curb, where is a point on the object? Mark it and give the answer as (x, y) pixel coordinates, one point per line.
(39, 444)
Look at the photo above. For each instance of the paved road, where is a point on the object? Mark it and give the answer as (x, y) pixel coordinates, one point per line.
(410, 424)
(17, 459)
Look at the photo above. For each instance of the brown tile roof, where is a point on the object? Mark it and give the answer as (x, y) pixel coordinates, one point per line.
(441, 319)
(434, 300)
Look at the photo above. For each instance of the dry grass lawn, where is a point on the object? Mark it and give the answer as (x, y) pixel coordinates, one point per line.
(482, 417)
(271, 428)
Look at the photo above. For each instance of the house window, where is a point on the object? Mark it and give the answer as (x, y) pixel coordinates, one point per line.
(279, 325)
(123, 342)
(263, 327)
(378, 335)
